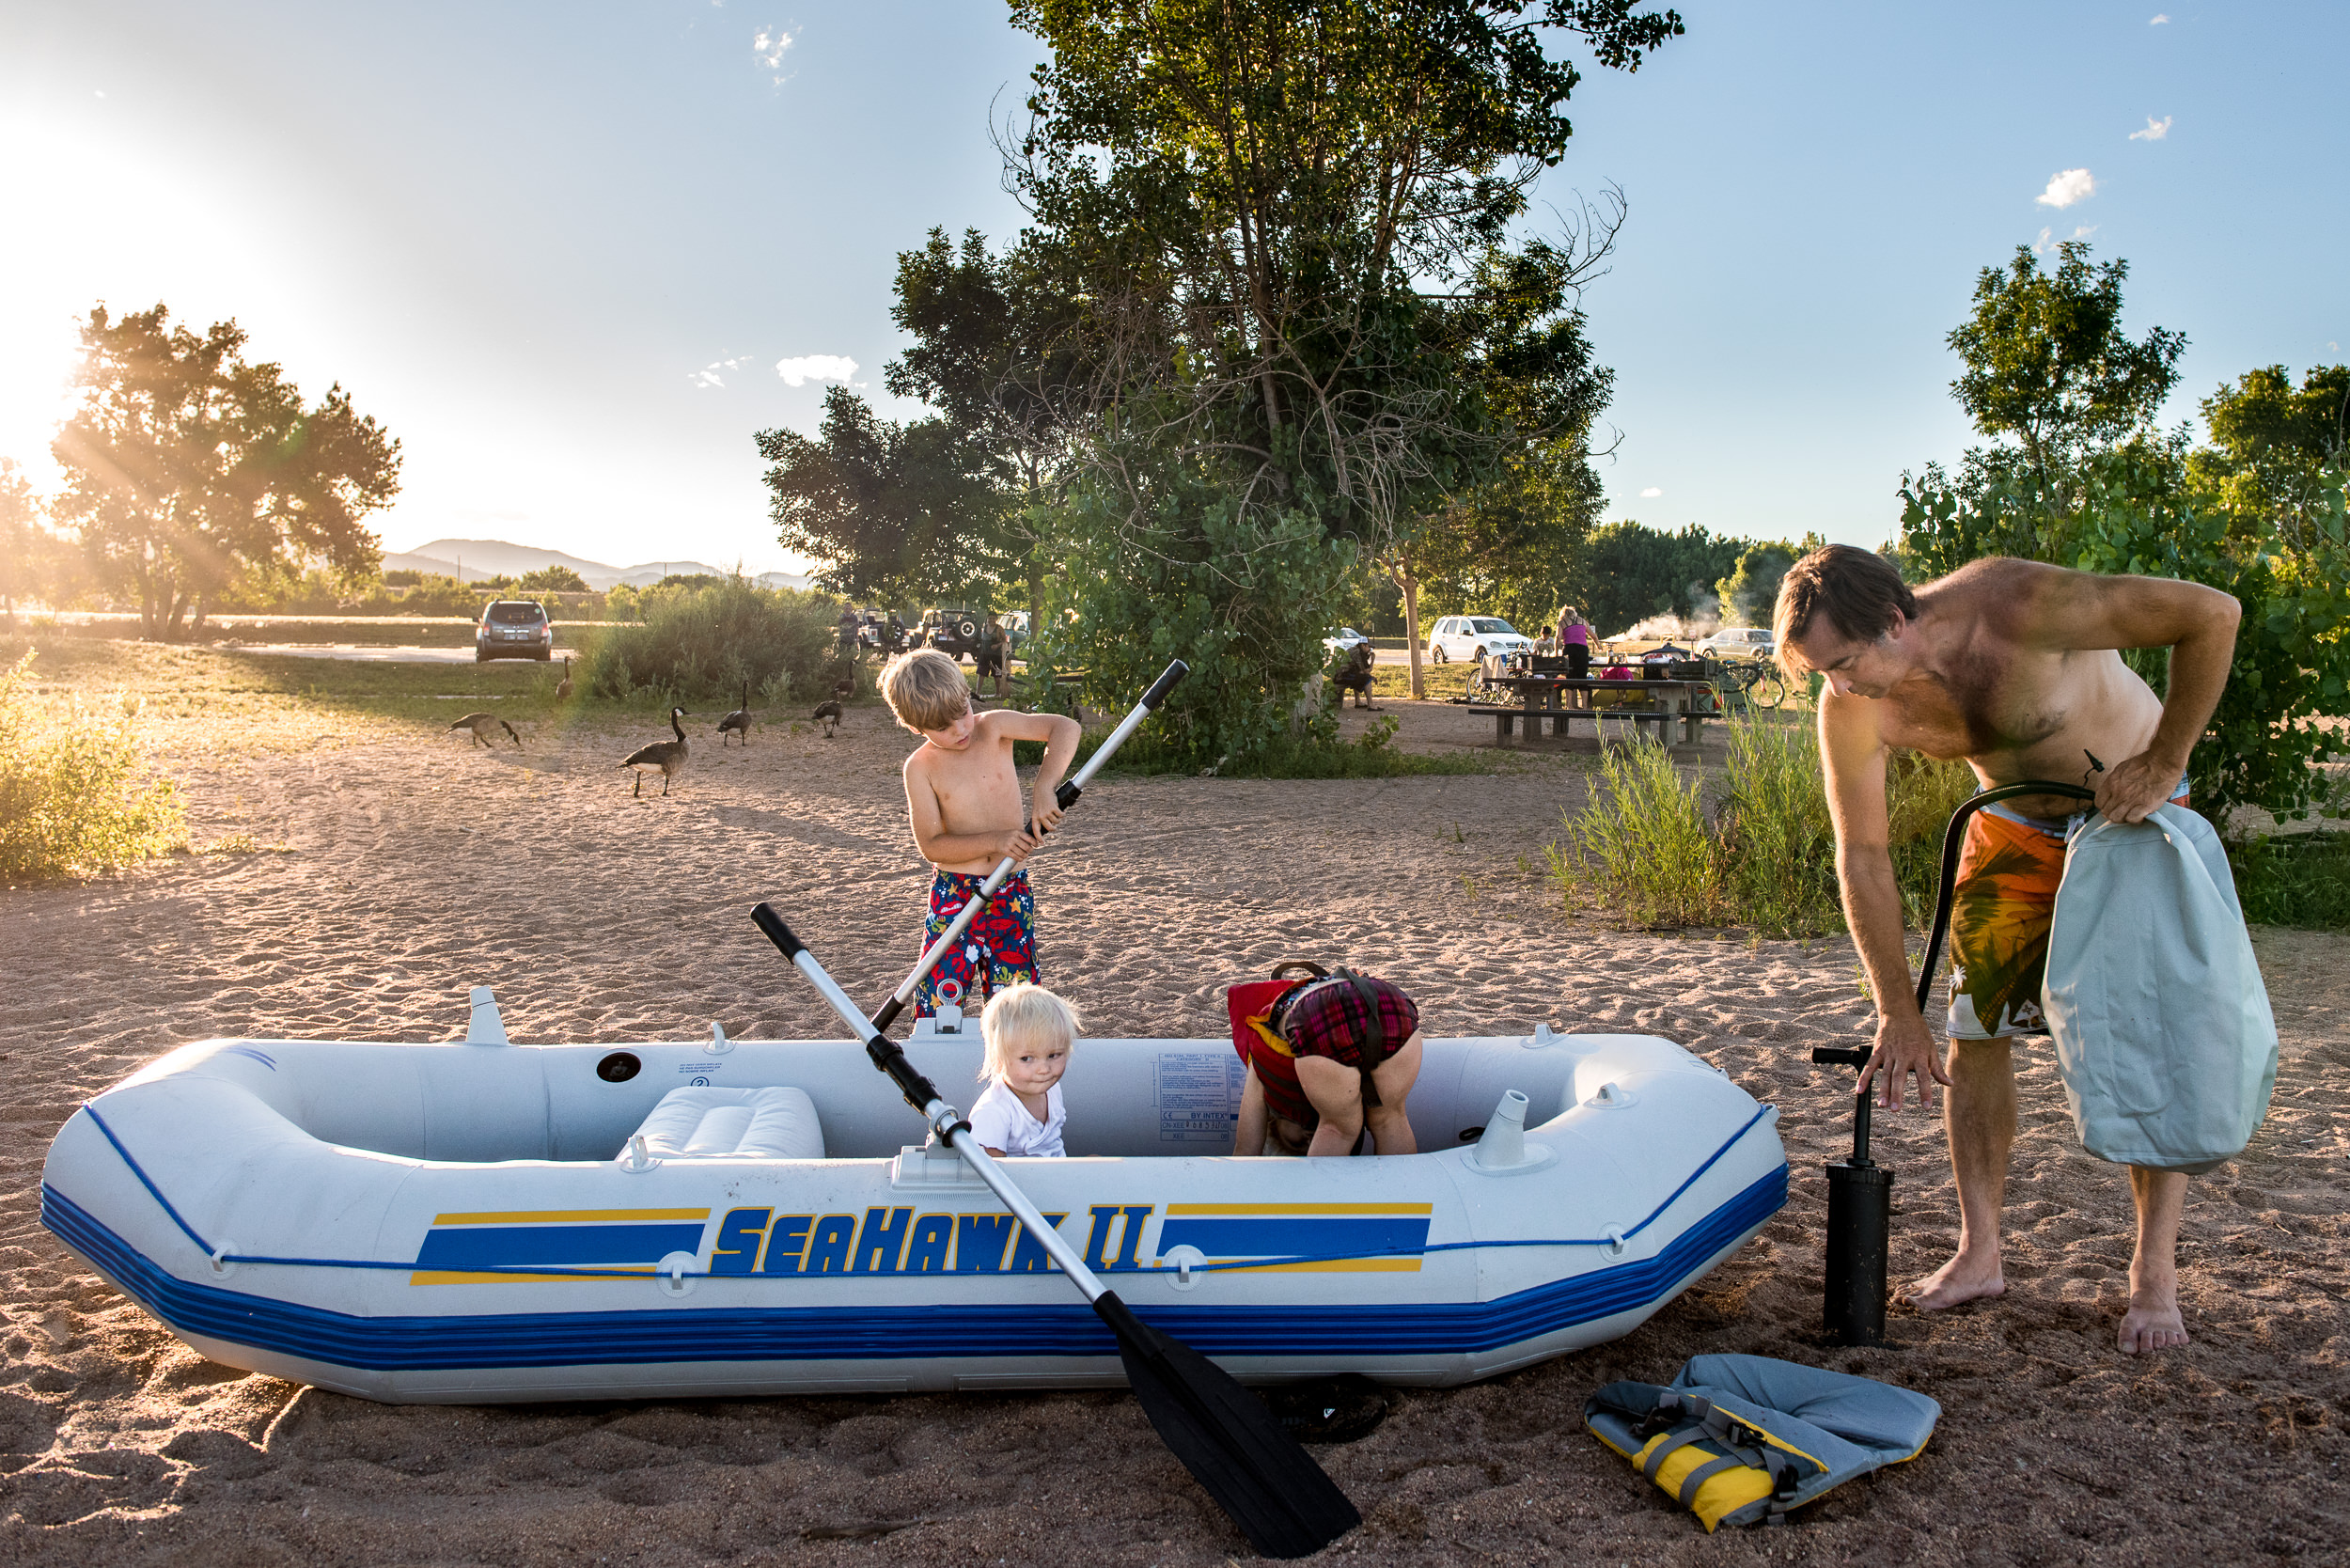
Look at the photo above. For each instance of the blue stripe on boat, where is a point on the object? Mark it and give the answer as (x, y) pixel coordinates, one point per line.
(946, 1330)
(522, 1245)
(1294, 1237)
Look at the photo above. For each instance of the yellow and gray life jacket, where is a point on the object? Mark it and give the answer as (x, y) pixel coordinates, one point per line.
(1741, 1439)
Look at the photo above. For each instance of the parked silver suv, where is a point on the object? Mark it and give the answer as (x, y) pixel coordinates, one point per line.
(514, 629)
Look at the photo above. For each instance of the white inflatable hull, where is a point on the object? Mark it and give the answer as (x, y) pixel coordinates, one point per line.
(450, 1224)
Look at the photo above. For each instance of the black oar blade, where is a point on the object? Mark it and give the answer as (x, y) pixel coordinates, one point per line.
(1231, 1443)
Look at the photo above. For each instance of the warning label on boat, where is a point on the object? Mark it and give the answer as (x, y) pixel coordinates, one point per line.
(1198, 1095)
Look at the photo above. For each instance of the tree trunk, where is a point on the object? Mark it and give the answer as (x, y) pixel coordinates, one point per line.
(1401, 575)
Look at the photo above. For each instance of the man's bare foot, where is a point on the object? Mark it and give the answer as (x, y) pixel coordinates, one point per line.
(2151, 1324)
(1963, 1278)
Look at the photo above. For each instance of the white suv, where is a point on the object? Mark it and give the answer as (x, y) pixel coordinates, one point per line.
(1739, 642)
(1473, 637)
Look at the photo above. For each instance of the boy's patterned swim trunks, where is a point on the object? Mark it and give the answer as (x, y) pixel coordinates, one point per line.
(2001, 908)
(997, 949)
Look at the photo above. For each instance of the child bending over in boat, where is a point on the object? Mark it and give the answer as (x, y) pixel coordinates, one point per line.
(1327, 1055)
(1029, 1033)
(963, 797)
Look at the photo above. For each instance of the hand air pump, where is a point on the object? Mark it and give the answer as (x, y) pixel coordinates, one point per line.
(1861, 1191)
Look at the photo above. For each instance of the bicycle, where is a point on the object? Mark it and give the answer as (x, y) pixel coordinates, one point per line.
(1749, 683)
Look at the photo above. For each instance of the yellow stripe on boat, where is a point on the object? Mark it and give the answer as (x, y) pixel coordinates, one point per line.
(1230, 1210)
(561, 1217)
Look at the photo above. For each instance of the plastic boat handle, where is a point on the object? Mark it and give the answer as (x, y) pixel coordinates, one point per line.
(1065, 795)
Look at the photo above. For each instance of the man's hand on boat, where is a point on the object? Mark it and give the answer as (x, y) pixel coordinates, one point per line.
(1904, 1046)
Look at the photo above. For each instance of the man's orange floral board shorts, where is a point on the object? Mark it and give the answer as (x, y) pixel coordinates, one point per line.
(2001, 908)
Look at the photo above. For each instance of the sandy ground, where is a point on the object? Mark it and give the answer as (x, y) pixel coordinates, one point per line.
(396, 867)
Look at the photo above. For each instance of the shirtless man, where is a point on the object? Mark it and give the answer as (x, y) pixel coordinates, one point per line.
(962, 798)
(2012, 666)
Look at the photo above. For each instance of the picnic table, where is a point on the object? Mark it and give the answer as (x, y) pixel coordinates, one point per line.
(1560, 699)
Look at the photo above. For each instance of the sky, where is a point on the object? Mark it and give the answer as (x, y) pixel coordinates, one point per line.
(575, 256)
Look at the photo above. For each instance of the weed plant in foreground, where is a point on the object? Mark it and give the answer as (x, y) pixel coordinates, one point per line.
(76, 797)
(1653, 849)
(2300, 879)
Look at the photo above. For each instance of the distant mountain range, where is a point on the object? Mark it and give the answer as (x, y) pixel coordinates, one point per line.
(469, 561)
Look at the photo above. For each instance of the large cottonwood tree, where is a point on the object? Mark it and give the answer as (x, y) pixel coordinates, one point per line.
(1314, 322)
(187, 467)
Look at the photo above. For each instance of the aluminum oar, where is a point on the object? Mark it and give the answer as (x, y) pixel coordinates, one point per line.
(1284, 1501)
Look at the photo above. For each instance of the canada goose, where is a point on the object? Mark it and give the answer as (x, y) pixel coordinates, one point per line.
(738, 721)
(843, 690)
(668, 756)
(564, 689)
(479, 723)
(828, 714)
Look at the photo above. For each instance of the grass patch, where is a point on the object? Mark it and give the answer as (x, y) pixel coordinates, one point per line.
(1443, 681)
(76, 796)
(2300, 879)
(1658, 848)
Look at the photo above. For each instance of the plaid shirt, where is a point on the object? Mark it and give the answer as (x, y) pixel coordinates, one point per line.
(1327, 1018)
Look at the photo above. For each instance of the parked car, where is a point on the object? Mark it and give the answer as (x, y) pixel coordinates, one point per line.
(514, 629)
(1738, 642)
(880, 631)
(1342, 640)
(1473, 637)
(954, 632)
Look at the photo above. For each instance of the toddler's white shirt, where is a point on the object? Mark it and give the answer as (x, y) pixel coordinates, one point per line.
(1003, 1122)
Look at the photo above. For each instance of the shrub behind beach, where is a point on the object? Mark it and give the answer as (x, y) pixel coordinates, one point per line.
(75, 797)
(697, 646)
(1761, 853)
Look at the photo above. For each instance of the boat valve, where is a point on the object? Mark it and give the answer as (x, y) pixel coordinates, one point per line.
(1503, 1142)
(1860, 1225)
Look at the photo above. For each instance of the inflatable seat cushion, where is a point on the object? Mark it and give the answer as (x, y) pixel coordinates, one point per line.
(776, 1123)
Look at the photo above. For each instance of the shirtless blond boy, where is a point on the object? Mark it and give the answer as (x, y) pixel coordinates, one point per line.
(963, 797)
(2012, 666)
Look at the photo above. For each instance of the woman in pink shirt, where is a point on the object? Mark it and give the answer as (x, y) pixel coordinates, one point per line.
(1574, 640)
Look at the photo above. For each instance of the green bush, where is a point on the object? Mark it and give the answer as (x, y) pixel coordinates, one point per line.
(1644, 844)
(75, 797)
(1763, 856)
(2302, 879)
(697, 646)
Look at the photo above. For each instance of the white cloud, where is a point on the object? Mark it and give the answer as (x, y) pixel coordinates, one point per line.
(1650, 494)
(2047, 241)
(2155, 129)
(2160, 17)
(768, 47)
(2067, 188)
(815, 367)
(708, 375)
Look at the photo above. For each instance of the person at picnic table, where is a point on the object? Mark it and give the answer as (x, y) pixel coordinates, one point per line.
(1575, 641)
(2013, 666)
(1327, 1055)
(995, 654)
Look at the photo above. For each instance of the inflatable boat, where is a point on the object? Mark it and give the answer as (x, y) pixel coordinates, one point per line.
(483, 1221)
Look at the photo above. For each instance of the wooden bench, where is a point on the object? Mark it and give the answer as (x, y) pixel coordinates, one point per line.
(1505, 715)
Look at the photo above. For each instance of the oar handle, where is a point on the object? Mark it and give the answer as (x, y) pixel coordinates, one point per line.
(923, 1096)
(1064, 795)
